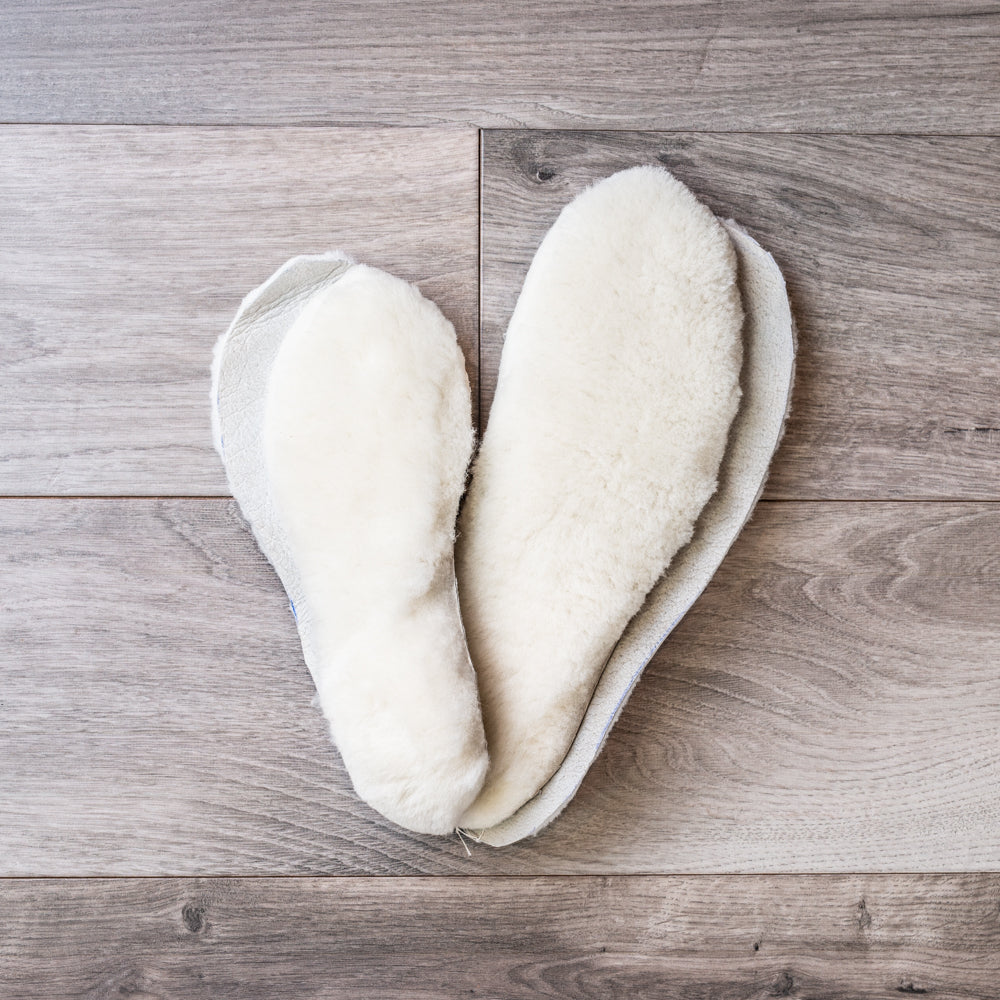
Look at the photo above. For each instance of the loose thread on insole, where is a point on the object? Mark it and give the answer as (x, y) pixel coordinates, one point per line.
(464, 844)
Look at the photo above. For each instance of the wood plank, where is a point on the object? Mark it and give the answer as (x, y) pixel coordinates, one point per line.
(839, 65)
(125, 253)
(685, 938)
(889, 246)
(829, 704)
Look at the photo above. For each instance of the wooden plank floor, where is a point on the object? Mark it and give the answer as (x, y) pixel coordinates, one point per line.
(834, 65)
(887, 244)
(803, 797)
(828, 705)
(126, 251)
(863, 937)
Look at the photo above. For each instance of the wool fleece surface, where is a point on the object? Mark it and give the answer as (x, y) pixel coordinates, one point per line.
(618, 385)
(342, 412)
(766, 379)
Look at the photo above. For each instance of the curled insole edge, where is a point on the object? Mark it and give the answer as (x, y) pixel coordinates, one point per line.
(243, 361)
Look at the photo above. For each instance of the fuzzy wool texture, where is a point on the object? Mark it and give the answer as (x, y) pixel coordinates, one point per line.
(618, 383)
(366, 438)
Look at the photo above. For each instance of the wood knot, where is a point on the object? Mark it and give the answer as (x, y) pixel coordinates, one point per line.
(783, 986)
(674, 158)
(863, 918)
(193, 915)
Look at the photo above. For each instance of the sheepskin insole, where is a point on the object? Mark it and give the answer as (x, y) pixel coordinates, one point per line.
(618, 383)
(767, 378)
(344, 394)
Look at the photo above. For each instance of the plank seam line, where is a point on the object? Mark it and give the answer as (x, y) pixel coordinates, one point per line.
(453, 126)
(763, 500)
(496, 877)
(479, 286)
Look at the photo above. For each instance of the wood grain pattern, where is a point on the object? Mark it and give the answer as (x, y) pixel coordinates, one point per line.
(839, 65)
(125, 253)
(829, 704)
(889, 246)
(671, 938)
(114, 293)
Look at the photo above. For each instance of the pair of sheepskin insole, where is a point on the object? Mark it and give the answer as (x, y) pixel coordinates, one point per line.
(342, 413)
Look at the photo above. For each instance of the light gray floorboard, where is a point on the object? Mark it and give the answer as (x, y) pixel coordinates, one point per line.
(126, 251)
(116, 285)
(840, 65)
(890, 247)
(828, 705)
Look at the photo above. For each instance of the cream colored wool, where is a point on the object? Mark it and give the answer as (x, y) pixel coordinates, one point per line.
(766, 378)
(618, 383)
(350, 474)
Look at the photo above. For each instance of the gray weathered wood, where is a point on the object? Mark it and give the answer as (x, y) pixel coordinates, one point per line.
(838, 65)
(890, 246)
(125, 253)
(858, 937)
(116, 287)
(829, 704)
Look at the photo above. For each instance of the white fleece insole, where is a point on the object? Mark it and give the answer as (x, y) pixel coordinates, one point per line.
(619, 380)
(766, 379)
(364, 435)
